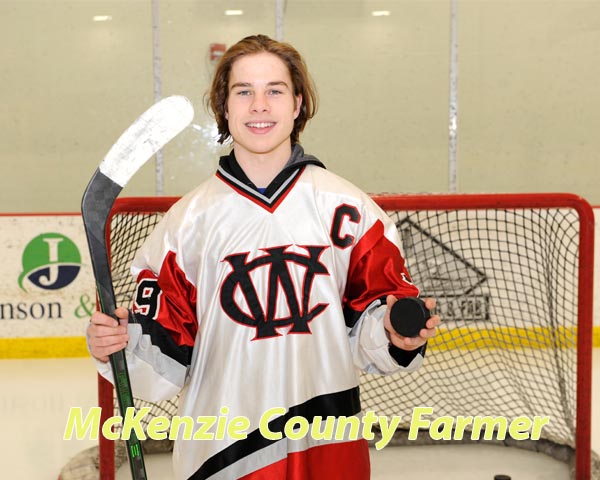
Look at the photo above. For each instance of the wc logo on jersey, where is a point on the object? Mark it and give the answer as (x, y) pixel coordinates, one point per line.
(50, 261)
(274, 290)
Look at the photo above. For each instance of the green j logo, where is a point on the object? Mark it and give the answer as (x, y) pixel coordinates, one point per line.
(50, 261)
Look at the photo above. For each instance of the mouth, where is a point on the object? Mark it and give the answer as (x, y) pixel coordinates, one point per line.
(260, 127)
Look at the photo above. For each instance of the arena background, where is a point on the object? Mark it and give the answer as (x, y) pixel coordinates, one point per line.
(528, 106)
(416, 96)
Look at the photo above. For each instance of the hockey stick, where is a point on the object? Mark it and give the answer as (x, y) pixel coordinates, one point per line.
(148, 134)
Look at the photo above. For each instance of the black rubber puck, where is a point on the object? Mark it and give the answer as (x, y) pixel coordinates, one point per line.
(408, 316)
(502, 477)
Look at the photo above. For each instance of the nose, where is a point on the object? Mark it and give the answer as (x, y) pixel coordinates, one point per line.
(260, 103)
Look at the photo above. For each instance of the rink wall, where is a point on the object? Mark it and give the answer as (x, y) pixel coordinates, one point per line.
(47, 293)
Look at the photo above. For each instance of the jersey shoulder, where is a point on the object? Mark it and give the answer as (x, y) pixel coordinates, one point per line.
(179, 226)
(333, 187)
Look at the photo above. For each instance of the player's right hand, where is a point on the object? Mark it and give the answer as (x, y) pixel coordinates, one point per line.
(105, 335)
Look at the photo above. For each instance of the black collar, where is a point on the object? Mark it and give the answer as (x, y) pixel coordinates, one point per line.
(231, 173)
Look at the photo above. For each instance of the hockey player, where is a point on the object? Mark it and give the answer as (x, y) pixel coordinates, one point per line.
(265, 289)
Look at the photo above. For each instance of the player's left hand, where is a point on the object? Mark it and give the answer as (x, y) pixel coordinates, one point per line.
(411, 343)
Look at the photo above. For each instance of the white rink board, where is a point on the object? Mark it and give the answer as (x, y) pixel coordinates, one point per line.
(47, 286)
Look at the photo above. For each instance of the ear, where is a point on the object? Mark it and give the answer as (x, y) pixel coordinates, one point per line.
(298, 100)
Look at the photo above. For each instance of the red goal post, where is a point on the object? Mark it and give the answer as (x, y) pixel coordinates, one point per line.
(473, 250)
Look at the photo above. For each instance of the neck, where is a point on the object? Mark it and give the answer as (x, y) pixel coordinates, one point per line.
(261, 169)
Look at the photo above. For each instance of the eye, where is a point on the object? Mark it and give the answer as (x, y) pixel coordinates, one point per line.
(275, 92)
(243, 93)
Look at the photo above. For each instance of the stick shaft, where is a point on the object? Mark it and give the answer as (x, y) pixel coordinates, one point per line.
(98, 199)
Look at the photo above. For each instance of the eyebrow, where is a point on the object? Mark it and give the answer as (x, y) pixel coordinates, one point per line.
(248, 84)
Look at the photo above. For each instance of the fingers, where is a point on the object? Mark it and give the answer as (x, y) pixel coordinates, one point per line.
(431, 324)
(106, 335)
(430, 303)
(122, 314)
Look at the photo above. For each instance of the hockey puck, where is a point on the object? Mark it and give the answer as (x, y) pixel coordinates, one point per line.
(501, 477)
(408, 316)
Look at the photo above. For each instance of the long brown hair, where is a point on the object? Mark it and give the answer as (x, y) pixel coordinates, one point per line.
(301, 81)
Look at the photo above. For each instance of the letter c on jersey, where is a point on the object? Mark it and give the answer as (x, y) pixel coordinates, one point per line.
(342, 212)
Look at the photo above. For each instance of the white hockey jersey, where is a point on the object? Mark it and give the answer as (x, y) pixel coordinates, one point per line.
(249, 302)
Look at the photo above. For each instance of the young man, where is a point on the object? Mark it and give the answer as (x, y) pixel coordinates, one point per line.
(264, 289)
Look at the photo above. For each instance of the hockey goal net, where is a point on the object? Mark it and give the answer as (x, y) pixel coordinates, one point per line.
(512, 275)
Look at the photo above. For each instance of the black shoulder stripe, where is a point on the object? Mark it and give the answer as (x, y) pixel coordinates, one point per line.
(162, 339)
(352, 317)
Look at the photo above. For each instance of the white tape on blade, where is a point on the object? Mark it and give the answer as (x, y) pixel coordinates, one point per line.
(149, 133)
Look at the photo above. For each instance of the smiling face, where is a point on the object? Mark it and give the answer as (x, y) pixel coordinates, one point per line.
(261, 108)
